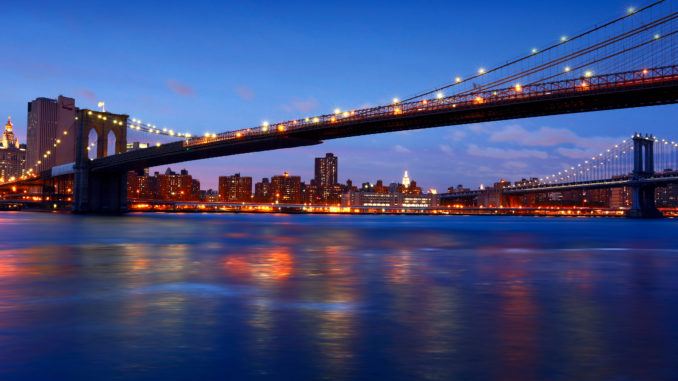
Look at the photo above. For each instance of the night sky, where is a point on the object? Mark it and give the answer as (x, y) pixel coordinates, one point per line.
(208, 66)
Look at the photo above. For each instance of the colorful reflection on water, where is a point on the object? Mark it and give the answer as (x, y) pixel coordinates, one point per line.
(337, 297)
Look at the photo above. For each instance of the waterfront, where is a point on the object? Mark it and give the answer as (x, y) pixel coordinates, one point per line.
(236, 296)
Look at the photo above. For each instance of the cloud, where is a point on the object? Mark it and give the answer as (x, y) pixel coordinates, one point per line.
(180, 88)
(511, 164)
(245, 93)
(576, 153)
(400, 149)
(446, 149)
(500, 153)
(301, 105)
(549, 137)
(305, 105)
(87, 94)
(457, 135)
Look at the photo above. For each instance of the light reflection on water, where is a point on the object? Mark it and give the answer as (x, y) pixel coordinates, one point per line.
(337, 297)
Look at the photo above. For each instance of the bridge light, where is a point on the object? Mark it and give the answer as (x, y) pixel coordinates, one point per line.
(563, 38)
(164, 130)
(157, 144)
(457, 79)
(439, 95)
(316, 119)
(307, 119)
(337, 111)
(588, 74)
(631, 9)
(481, 71)
(567, 69)
(188, 135)
(281, 128)
(345, 114)
(656, 36)
(396, 100)
(518, 87)
(397, 111)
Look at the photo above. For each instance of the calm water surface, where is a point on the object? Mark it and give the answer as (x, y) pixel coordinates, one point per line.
(163, 297)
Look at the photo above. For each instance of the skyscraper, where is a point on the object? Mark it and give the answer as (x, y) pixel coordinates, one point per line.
(12, 154)
(326, 169)
(406, 180)
(49, 120)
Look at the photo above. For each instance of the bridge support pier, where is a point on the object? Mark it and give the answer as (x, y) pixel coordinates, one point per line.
(643, 166)
(96, 192)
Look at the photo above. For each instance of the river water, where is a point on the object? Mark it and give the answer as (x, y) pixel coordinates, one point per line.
(237, 296)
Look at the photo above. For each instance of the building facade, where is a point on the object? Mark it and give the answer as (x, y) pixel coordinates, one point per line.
(286, 189)
(326, 170)
(235, 188)
(12, 154)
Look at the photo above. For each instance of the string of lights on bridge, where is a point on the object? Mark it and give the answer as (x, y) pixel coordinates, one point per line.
(399, 107)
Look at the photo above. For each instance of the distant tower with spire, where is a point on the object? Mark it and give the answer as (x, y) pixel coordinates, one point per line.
(9, 140)
(406, 180)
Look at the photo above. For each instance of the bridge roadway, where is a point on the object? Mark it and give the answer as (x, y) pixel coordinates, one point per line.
(605, 92)
(657, 180)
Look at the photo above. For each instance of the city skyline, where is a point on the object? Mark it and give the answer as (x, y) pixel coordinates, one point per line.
(243, 93)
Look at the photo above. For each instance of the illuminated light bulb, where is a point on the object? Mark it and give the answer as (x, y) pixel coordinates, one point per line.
(567, 69)
(397, 110)
(337, 111)
(656, 36)
(157, 144)
(214, 135)
(89, 112)
(333, 119)
(104, 118)
(98, 116)
(316, 119)
(281, 127)
(345, 114)
(631, 9)
(264, 128)
(481, 71)
(439, 96)
(307, 119)
(534, 50)
(563, 38)
(164, 130)
(518, 87)
(238, 134)
(396, 100)
(188, 135)
(424, 102)
(588, 73)
(207, 134)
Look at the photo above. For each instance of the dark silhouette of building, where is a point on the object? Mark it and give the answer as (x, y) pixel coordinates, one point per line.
(170, 186)
(235, 188)
(262, 191)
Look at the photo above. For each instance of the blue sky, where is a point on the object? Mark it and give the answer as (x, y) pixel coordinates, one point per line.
(211, 66)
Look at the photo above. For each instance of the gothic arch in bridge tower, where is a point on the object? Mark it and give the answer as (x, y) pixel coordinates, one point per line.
(116, 134)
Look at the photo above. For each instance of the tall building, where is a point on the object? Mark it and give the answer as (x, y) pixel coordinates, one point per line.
(406, 180)
(177, 187)
(326, 169)
(286, 189)
(50, 120)
(262, 191)
(12, 154)
(235, 188)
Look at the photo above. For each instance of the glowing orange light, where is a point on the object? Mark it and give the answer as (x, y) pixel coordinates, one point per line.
(281, 127)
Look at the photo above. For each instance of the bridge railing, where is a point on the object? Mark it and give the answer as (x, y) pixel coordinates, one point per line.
(474, 99)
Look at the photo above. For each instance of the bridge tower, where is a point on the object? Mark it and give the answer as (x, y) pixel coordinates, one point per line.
(99, 191)
(643, 167)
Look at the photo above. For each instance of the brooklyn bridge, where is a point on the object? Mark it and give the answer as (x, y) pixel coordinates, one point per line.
(627, 62)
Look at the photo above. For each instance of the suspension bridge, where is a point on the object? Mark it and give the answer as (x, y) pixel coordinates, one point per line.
(629, 61)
